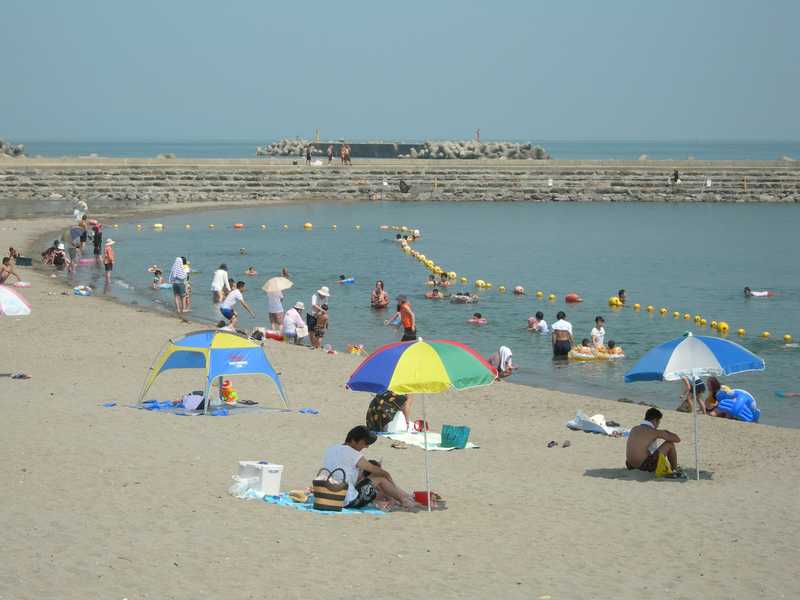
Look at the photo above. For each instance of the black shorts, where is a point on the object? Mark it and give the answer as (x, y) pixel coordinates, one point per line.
(109, 267)
(311, 321)
(366, 494)
(409, 335)
(83, 238)
(561, 347)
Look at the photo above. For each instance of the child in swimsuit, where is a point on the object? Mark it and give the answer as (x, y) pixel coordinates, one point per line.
(157, 279)
(613, 349)
(320, 326)
(585, 347)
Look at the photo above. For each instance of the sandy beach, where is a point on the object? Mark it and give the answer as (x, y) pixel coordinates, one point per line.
(122, 503)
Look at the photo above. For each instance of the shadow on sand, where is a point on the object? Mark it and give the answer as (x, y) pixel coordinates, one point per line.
(640, 476)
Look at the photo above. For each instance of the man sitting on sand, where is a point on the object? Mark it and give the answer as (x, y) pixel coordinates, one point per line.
(366, 480)
(643, 449)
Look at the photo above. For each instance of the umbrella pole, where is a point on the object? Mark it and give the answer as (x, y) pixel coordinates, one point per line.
(427, 459)
(696, 445)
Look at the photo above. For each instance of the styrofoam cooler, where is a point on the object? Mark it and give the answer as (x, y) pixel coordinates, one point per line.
(264, 478)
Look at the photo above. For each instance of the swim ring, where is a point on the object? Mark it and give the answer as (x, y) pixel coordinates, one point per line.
(165, 286)
(273, 335)
(739, 404)
(475, 321)
(395, 322)
(348, 281)
(86, 261)
(580, 355)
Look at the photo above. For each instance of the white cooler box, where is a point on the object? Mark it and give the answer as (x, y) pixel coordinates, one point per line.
(263, 478)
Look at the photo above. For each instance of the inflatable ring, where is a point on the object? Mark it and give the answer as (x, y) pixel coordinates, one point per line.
(273, 335)
(580, 355)
(739, 404)
(475, 321)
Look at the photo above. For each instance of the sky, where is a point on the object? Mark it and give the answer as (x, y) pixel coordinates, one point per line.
(531, 70)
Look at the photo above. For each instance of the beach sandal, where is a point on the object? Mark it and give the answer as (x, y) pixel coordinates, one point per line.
(566, 444)
(246, 402)
(399, 445)
(552, 444)
(20, 376)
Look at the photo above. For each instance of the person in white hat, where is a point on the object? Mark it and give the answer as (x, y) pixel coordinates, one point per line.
(293, 324)
(317, 300)
(108, 259)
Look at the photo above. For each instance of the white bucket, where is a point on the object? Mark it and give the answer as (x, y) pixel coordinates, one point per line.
(265, 478)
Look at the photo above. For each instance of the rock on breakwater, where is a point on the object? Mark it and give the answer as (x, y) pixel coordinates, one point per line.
(50, 186)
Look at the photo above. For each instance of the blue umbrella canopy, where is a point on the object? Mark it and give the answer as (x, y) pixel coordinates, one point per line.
(694, 356)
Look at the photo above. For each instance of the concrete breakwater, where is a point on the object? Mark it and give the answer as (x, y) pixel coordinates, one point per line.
(447, 149)
(50, 186)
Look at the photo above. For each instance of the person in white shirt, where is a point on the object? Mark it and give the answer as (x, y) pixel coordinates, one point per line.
(293, 320)
(275, 309)
(230, 301)
(367, 481)
(599, 332)
(562, 336)
(317, 300)
(220, 283)
(538, 324)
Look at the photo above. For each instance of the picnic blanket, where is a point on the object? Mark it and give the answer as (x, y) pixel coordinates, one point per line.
(594, 424)
(216, 411)
(308, 506)
(418, 439)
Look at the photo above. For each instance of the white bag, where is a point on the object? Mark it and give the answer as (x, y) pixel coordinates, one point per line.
(302, 331)
(398, 424)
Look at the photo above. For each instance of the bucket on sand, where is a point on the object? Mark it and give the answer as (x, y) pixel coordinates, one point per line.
(264, 478)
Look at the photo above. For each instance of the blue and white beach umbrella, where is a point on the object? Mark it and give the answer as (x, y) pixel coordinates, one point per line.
(694, 356)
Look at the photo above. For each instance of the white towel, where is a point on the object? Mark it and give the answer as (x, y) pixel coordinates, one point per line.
(418, 439)
(178, 273)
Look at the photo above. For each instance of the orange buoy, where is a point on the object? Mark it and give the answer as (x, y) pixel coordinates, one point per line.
(238, 226)
(572, 298)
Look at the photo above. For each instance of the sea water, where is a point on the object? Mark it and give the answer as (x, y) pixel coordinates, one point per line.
(693, 258)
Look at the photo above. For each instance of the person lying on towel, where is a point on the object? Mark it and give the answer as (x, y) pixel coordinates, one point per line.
(366, 480)
(643, 448)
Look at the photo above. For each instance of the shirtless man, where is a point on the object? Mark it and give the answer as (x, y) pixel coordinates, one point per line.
(643, 449)
(562, 336)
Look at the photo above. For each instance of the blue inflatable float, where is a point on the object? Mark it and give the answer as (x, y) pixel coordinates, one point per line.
(739, 404)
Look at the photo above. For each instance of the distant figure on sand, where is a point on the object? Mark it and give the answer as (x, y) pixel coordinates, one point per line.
(643, 448)
(367, 481)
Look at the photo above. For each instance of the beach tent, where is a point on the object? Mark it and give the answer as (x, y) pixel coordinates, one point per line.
(422, 367)
(693, 356)
(12, 303)
(219, 353)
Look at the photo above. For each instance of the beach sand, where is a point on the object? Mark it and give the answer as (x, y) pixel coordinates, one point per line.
(122, 503)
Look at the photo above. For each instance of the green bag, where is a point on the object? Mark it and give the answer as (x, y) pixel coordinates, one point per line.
(455, 436)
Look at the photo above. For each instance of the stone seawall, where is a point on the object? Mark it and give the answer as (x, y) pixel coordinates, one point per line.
(45, 186)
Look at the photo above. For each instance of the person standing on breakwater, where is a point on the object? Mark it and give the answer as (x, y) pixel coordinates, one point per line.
(562, 336)
(330, 153)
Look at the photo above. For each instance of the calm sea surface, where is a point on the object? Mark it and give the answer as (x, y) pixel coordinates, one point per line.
(558, 149)
(690, 258)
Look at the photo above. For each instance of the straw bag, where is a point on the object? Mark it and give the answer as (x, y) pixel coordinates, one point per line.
(329, 494)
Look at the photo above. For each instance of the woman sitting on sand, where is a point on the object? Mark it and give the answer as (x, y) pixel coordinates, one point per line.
(379, 298)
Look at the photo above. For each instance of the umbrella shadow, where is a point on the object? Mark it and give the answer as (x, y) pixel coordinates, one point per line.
(623, 474)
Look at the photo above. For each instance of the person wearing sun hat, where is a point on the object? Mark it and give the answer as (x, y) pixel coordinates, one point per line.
(319, 298)
(293, 323)
(108, 258)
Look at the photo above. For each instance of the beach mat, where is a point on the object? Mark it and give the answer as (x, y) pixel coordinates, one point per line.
(217, 411)
(418, 440)
(308, 506)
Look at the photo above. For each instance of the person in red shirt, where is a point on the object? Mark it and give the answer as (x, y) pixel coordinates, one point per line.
(409, 322)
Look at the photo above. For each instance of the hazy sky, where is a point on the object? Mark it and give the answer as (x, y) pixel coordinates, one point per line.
(262, 69)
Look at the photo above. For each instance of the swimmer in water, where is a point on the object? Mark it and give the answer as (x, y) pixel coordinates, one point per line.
(431, 280)
(434, 294)
(621, 296)
(477, 319)
(748, 293)
(613, 349)
(251, 272)
(243, 251)
(158, 279)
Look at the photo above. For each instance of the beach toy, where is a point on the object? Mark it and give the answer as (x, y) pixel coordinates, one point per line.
(739, 404)
(238, 225)
(347, 281)
(228, 393)
(307, 226)
(539, 293)
(637, 306)
(551, 297)
(722, 327)
(765, 334)
(501, 289)
(713, 324)
(663, 311)
(787, 339)
(464, 281)
(650, 308)
(519, 290)
(740, 331)
(82, 290)
(572, 298)
(211, 226)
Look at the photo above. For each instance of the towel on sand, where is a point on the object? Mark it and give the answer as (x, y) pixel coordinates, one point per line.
(418, 439)
(594, 424)
(284, 500)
